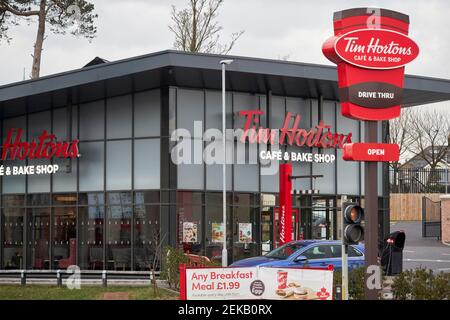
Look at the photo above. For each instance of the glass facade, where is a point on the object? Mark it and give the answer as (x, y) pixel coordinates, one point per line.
(251, 221)
(122, 198)
(99, 210)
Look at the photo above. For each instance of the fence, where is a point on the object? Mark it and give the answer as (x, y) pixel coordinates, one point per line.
(408, 206)
(88, 277)
(417, 180)
(431, 218)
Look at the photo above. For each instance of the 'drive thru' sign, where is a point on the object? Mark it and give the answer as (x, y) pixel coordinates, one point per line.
(380, 152)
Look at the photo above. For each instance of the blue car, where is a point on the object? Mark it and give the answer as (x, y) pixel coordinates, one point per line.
(311, 253)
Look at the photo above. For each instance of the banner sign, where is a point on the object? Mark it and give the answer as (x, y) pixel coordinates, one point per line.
(370, 47)
(285, 210)
(256, 283)
(378, 152)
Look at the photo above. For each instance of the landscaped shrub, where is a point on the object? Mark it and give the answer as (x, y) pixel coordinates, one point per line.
(172, 258)
(355, 282)
(401, 288)
(421, 284)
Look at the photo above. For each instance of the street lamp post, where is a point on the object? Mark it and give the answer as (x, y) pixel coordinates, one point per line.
(224, 177)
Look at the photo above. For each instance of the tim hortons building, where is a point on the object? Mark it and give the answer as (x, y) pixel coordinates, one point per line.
(89, 175)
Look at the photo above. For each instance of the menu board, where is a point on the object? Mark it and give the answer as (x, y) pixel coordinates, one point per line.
(217, 232)
(245, 232)
(189, 232)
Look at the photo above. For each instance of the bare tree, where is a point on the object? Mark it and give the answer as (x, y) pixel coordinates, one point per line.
(156, 247)
(59, 15)
(196, 29)
(429, 133)
(399, 133)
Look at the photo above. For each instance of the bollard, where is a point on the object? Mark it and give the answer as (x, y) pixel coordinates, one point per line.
(23, 278)
(58, 278)
(338, 293)
(104, 279)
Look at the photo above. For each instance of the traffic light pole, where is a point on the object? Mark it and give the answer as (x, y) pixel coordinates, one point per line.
(371, 209)
(344, 250)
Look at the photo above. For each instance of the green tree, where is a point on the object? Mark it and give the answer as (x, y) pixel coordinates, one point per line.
(59, 16)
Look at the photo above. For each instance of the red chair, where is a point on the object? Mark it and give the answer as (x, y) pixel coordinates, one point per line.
(196, 260)
(71, 260)
(38, 263)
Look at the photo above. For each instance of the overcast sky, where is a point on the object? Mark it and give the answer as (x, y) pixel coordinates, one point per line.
(272, 29)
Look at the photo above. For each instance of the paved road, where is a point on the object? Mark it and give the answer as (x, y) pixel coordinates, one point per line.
(426, 252)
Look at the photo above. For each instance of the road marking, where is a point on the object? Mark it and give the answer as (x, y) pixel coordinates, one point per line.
(443, 269)
(446, 254)
(408, 251)
(426, 260)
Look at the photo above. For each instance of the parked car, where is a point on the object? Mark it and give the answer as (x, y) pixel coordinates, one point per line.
(311, 253)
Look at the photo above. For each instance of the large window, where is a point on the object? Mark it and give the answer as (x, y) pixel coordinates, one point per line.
(147, 110)
(190, 213)
(147, 236)
(118, 165)
(245, 226)
(38, 238)
(91, 218)
(118, 121)
(118, 235)
(91, 166)
(14, 184)
(91, 237)
(92, 120)
(64, 237)
(214, 231)
(13, 225)
(147, 163)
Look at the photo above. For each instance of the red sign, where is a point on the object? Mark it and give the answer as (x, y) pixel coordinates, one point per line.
(376, 49)
(379, 152)
(319, 137)
(46, 146)
(285, 211)
(370, 47)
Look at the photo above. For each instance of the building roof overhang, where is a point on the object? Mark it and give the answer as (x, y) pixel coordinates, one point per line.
(194, 70)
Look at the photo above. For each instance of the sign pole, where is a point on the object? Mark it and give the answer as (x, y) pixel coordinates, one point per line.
(344, 256)
(224, 176)
(371, 208)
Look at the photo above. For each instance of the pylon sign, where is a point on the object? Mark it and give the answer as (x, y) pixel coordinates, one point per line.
(370, 47)
(285, 202)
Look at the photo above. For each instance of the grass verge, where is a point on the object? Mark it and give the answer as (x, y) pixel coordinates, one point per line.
(44, 292)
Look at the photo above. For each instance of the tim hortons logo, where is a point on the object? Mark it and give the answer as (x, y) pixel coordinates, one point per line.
(319, 137)
(282, 224)
(376, 48)
(46, 146)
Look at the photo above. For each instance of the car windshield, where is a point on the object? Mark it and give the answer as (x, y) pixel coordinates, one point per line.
(285, 251)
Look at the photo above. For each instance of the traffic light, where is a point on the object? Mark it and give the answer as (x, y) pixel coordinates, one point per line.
(353, 216)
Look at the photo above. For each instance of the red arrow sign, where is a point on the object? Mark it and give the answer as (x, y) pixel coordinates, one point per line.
(378, 152)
